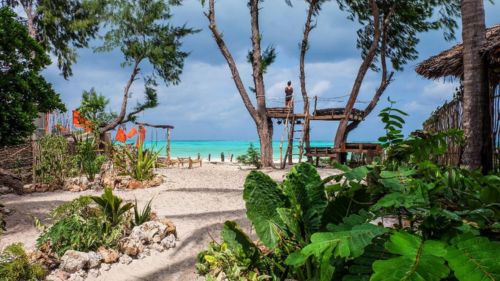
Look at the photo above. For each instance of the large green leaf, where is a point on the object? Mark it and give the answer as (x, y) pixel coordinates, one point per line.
(418, 260)
(236, 239)
(345, 205)
(347, 244)
(475, 259)
(306, 191)
(263, 197)
(360, 269)
(291, 221)
(346, 240)
(398, 199)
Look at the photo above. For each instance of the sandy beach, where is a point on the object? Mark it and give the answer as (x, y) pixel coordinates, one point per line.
(197, 200)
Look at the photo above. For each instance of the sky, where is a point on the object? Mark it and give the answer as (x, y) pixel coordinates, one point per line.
(206, 104)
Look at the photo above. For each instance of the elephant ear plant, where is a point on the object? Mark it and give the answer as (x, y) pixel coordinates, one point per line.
(404, 219)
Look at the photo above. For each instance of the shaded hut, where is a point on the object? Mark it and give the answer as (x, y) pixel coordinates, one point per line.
(449, 64)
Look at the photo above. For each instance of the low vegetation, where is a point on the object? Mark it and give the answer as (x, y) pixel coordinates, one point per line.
(15, 265)
(79, 225)
(87, 159)
(251, 158)
(136, 162)
(54, 163)
(144, 215)
(406, 213)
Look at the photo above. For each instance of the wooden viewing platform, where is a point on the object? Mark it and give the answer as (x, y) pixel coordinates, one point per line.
(327, 114)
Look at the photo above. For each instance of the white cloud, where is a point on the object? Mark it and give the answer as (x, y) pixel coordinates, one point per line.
(439, 90)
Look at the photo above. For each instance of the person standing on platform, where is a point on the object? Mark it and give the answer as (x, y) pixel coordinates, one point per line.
(289, 95)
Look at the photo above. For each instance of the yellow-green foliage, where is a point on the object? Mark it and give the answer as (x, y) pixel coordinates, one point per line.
(15, 265)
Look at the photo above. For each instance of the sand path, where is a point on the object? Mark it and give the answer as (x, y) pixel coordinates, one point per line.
(198, 201)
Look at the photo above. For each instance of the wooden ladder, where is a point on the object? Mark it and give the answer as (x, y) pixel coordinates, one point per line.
(286, 132)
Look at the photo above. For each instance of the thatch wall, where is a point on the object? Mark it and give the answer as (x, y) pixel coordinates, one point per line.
(449, 116)
(446, 117)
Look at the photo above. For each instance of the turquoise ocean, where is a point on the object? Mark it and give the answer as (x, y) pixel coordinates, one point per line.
(181, 148)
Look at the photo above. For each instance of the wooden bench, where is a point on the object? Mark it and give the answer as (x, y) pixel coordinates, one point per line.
(367, 150)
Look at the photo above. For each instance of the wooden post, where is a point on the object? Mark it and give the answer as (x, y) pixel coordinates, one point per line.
(289, 149)
(209, 156)
(168, 145)
(315, 104)
(222, 156)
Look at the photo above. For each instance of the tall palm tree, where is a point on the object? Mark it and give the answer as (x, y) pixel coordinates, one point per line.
(476, 115)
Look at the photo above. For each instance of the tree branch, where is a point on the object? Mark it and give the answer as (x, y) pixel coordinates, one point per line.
(303, 49)
(385, 80)
(121, 116)
(363, 69)
(258, 79)
(230, 61)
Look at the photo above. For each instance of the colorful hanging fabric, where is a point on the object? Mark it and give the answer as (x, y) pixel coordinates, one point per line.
(120, 135)
(142, 136)
(76, 119)
(81, 122)
(132, 133)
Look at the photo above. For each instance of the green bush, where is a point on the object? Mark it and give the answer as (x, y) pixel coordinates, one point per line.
(237, 257)
(251, 158)
(137, 162)
(15, 265)
(443, 220)
(54, 163)
(87, 158)
(111, 206)
(80, 226)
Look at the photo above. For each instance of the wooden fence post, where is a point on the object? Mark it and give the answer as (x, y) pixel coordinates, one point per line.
(168, 145)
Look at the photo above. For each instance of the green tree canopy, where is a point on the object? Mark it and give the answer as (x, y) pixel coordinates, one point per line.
(143, 32)
(61, 26)
(93, 108)
(403, 21)
(23, 91)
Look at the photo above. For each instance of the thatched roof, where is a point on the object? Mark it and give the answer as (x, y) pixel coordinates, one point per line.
(450, 62)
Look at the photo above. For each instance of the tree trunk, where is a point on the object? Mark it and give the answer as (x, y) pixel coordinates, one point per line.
(363, 69)
(265, 132)
(476, 115)
(123, 110)
(259, 113)
(303, 50)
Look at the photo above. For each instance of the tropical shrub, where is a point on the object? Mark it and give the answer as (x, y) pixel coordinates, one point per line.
(87, 158)
(54, 162)
(237, 257)
(143, 216)
(78, 225)
(251, 158)
(111, 206)
(139, 163)
(15, 265)
(404, 219)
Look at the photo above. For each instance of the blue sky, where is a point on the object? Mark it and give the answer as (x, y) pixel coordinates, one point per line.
(206, 104)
